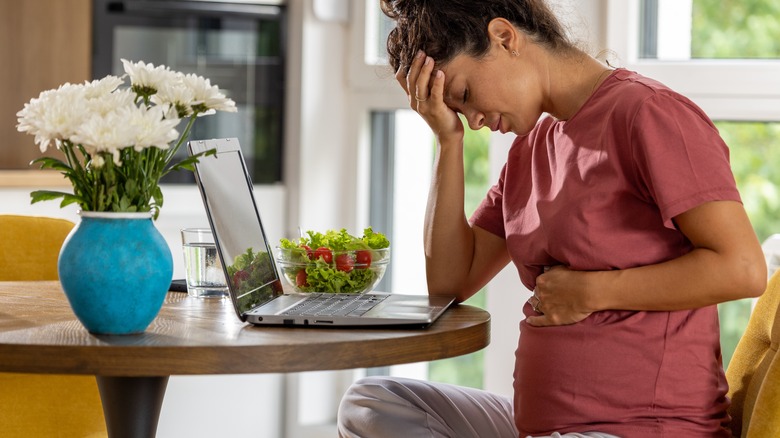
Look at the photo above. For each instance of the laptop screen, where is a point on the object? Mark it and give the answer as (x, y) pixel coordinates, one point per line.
(238, 231)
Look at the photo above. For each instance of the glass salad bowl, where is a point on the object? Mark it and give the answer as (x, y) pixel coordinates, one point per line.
(326, 270)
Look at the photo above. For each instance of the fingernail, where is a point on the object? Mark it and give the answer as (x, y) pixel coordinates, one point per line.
(427, 60)
(420, 53)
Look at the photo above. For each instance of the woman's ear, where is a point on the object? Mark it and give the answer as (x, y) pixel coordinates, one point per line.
(503, 34)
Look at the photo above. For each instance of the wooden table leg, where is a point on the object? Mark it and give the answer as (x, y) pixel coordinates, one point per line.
(132, 405)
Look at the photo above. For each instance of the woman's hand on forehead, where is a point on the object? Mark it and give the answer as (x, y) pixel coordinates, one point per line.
(424, 87)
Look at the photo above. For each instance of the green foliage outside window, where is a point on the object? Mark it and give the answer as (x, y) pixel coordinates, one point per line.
(755, 161)
(735, 29)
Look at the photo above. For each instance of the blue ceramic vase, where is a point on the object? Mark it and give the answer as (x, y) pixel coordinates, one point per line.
(115, 269)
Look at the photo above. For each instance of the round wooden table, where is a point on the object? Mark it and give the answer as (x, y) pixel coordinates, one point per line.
(201, 336)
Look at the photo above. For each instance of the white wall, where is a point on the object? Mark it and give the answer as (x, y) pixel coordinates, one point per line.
(327, 157)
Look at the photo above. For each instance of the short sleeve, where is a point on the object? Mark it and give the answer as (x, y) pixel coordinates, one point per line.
(681, 160)
(489, 215)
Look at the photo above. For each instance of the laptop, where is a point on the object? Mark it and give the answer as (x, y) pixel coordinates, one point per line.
(226, 189)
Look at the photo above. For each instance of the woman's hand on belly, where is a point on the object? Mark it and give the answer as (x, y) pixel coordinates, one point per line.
(725, 263)
(559, 298)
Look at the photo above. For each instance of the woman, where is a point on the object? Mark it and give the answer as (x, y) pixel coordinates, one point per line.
(616, 204)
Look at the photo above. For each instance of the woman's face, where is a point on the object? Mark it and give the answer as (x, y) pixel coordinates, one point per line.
(493, 92)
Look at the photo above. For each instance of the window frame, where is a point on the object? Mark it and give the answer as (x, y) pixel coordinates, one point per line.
(373, 79)
(756, 99)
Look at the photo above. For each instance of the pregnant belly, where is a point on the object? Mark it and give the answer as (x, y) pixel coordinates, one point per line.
(613, 367)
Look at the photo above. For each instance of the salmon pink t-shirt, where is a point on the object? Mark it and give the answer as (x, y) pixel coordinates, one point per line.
(600, 191)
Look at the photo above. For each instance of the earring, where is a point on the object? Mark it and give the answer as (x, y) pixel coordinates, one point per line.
(514, 53)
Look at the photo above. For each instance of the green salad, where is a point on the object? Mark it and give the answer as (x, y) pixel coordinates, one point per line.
(334, 261)
(251, 270)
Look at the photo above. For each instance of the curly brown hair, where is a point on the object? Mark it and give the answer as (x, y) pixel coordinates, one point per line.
(444, 29)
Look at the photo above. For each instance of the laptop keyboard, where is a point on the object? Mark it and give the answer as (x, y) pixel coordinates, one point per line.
(326, 304)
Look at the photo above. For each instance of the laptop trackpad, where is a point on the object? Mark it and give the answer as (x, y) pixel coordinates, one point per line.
(279, 304)
(401, 309)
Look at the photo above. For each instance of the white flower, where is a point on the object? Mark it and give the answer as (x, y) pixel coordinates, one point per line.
(126, 126)
(170, 111)
(98, 121)
(206, 96)
(102, 87)
(108, 102)
(106, 133)
(98, 161)
(55, 115)
(176, 95)
(150, 128)
(148, 79)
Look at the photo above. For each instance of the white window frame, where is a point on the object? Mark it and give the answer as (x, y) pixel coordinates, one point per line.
(375, 80)
(726, 89)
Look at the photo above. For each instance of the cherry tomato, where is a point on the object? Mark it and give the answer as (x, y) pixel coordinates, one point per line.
(240, 276)
(363, 259)
(325, 253)
(300, 278)
(344, 262)
(309, 252)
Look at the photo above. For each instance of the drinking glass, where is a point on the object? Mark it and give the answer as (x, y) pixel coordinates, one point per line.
(203, 269)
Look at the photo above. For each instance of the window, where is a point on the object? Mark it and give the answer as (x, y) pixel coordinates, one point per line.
(735, 29)
(726, 57)
(755, 150)
(719, 86)
(755, 154)
(403, 170)
(468, 370)
(709, 29)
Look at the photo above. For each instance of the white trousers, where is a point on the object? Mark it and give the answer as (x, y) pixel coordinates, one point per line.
(391, 407)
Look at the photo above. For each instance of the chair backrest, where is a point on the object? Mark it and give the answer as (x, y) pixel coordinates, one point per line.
(33, 405)
(754, 371)
(29, 246)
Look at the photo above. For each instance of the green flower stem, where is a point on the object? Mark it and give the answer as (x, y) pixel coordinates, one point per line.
(76, 171)
(184, 135)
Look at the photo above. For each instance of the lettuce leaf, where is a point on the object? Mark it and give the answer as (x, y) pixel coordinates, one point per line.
(338, 240)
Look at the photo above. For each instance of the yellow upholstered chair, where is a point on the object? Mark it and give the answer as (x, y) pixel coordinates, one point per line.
(37, 405)
(754, 371)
